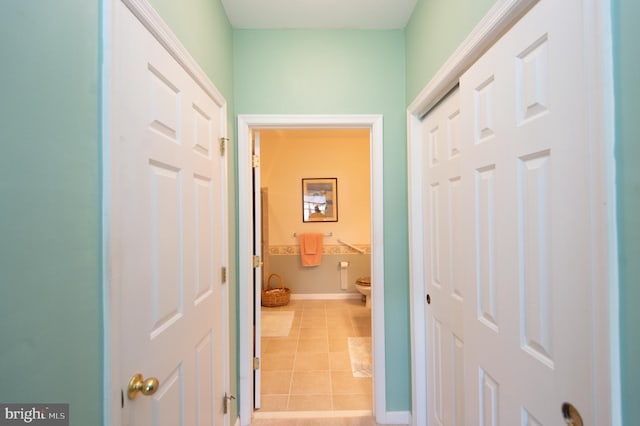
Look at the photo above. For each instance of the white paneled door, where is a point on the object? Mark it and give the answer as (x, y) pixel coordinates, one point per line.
(508, 237)
(444, 255)
(257, 270)
(168, 206)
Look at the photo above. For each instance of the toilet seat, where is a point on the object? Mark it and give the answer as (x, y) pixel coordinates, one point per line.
(364, 281)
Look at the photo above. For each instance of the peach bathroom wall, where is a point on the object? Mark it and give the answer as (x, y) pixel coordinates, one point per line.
(289, 155)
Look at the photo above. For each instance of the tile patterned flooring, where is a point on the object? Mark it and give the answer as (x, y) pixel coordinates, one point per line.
(310, 370)
(317, 421)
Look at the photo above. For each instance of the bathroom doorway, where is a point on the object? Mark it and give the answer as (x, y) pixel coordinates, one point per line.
(314, 306)
(315, 351)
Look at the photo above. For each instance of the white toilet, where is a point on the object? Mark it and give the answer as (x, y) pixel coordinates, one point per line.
(363, 285)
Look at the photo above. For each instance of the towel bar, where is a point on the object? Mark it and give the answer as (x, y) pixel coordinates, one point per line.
(351, 246)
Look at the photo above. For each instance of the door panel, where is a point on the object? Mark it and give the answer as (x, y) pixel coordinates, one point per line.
(445, 331)
(528, 345)
(168, 197)
(257, 271)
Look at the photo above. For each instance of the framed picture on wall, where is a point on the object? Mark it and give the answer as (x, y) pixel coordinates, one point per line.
(320, 199)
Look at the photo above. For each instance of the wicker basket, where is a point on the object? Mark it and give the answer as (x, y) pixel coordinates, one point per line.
(275, 296)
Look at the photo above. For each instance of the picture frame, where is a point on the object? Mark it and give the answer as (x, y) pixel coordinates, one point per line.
(320, 199)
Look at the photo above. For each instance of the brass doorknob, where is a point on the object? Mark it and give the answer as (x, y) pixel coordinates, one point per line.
(138, 384)
(571, 415)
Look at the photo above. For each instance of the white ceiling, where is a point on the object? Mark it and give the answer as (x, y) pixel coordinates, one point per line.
(319, 14)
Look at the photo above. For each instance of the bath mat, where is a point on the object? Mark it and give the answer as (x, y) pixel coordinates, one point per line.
(276, 324)
(360, 355)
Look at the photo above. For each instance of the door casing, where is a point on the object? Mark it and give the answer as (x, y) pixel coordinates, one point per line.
(245, 244)
(598, 71)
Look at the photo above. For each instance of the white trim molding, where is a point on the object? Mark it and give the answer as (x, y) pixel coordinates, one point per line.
(395, 418)
(245, 244)
(598, 68)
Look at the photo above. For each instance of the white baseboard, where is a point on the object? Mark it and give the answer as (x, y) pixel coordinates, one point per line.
(325, 296)
(395, 418)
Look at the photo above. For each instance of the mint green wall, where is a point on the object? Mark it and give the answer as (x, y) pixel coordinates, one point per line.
(435, 30)
(344, 72)
(50, 250)
(626, 33)
(50, 321)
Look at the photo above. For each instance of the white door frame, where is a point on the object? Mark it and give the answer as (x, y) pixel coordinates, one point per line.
(245, 244)
(142, 9)
(598, 70)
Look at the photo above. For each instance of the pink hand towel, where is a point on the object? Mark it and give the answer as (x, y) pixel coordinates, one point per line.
(311, 249)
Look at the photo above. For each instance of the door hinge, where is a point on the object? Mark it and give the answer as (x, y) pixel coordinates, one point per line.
(256, 363)
(223, 143)
(225, 402)
(255, 161)
(223, 275)
(257, 262)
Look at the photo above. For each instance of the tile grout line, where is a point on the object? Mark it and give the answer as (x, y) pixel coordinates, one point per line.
(326, 324)
(293, 362)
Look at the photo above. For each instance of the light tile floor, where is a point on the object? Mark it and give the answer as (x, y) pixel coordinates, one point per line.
(310, 369)
(318, 421)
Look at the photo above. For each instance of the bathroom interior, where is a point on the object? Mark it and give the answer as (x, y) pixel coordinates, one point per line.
(315, 351)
